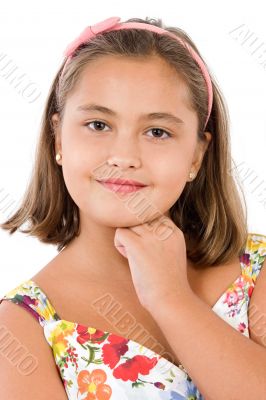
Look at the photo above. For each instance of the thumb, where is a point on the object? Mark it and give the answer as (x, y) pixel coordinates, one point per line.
(122, 250)
(122, 240)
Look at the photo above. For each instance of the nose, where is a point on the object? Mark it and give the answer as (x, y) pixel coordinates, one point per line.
(123, 162)
(124, 155)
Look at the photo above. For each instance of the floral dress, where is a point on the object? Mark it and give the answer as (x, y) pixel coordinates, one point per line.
(100, 365)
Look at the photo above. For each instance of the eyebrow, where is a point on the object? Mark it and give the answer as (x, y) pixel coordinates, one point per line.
(154, 115)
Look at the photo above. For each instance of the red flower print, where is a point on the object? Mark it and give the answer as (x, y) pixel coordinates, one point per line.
(93, 385)
(89, 334)
(159, 385)
(112, 351)
(26, 302)
(245, 258)
(250, 290)
(133, 367)
(233, 296)
(241, 327)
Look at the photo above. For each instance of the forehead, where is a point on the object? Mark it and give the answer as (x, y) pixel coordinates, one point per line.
(141, 81)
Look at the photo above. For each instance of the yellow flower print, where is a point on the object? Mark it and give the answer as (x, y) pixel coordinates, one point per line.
(58, 336)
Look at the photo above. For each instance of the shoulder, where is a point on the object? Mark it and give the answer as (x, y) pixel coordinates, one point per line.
(27, 362)
(257, 304)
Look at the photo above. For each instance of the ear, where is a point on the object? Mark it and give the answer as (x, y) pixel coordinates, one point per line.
(200, 151)
(57, 134)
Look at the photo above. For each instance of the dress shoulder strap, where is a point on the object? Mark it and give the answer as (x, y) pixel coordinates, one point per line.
(253, 257)
(29, 296)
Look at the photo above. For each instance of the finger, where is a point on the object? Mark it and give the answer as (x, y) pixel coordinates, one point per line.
(162, 222)
(125, 239)
(122, 250)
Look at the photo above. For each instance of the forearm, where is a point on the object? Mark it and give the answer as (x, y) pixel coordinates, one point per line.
(223, 363)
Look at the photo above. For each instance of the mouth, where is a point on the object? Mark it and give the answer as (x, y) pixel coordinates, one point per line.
(121, 188)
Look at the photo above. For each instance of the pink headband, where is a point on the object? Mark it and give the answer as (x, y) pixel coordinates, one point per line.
(111, 24)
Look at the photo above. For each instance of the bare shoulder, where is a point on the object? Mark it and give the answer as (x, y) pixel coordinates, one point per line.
(27, 366)
(257, 309)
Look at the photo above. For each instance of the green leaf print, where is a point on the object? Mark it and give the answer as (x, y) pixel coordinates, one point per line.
(137, 384)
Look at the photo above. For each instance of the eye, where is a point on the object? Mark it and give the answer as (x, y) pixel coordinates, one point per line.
(161, 130)
(97, 124)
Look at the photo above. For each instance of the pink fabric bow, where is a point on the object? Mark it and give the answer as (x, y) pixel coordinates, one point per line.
(89, 32)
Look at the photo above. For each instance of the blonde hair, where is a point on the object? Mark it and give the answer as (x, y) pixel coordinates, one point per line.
(209, 211)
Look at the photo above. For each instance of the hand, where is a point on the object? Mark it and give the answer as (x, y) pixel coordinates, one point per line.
(156, 253)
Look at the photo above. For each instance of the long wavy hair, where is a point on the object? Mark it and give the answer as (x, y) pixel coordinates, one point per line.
(209, 211)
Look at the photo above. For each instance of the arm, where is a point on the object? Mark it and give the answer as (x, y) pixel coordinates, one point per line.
(223, 363)
(36, 377)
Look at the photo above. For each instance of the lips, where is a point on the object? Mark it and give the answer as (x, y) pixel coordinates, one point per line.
(128, 182)
(121, 185)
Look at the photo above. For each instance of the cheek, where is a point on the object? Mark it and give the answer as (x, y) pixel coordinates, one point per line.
(81, 165)
(171, 178)
(84, 154)
(78, 155)
(76, 167)
(170, 171)
(72, 173)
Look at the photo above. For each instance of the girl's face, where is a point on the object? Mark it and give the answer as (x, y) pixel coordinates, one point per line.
(128, 141)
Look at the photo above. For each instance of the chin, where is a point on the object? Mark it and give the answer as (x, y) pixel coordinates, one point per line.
(117, 220)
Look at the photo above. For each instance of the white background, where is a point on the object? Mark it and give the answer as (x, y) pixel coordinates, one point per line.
(33, 36)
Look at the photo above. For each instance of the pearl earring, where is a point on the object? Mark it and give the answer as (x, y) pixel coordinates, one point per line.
(192, 175)
(58, 157)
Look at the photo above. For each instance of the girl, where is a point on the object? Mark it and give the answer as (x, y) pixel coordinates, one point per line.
(149, 296)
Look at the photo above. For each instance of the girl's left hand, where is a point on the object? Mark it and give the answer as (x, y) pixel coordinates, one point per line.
(156, 253)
